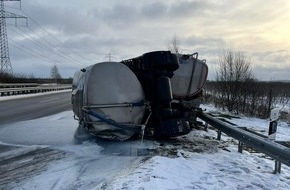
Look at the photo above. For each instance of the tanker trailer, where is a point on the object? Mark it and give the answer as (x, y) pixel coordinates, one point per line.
(187, 85)
(159, 90)
(108, 100)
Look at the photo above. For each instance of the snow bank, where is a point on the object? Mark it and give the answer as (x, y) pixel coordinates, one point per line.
(221, 170)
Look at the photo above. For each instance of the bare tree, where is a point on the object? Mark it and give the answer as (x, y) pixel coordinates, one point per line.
(54, 73)
(234, 70)
(174, 45)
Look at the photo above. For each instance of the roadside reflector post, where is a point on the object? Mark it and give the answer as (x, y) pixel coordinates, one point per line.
(274, 116)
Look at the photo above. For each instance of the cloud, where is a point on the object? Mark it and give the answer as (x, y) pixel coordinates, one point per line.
(280, 57)
(271, 72)
(68, 20)
(130, 28)
(154, 10)
(124, 15)
(188, 9)
(268, 59)
(204, 41)
(118, 16)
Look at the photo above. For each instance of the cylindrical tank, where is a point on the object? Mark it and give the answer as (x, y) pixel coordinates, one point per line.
(107, 98)
(189, 79)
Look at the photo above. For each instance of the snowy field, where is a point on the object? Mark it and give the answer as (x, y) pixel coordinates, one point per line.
(198, 161)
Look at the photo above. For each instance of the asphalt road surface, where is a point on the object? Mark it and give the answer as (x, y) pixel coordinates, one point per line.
(34, 107)
(62, 164)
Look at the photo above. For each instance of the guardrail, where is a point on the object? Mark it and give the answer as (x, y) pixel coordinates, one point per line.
(17, 85)
(275, 150)
(30, 90)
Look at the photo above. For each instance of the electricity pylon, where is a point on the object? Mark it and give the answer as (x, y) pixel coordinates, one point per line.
(6, 67)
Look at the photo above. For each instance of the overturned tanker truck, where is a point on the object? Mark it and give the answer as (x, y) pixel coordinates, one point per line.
(154, 95)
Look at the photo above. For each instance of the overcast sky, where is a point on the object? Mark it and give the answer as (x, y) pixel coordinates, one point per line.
(73, 33)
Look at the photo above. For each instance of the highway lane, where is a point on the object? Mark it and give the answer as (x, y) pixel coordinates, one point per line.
(34, 107)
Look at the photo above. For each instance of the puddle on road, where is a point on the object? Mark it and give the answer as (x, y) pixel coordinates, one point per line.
(62, 129)
(42, 148)
(39, 132)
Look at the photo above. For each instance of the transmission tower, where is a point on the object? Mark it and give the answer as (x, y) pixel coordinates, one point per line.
(6, 67)
(109, 56)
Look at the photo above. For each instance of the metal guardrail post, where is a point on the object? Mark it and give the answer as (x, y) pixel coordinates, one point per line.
(206, 127)
(277, 167)
(264, 145)
(219, 135)
(240, 147)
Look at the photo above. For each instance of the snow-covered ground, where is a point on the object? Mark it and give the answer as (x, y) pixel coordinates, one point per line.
(198, 161)
(222, 168)
(256, 124)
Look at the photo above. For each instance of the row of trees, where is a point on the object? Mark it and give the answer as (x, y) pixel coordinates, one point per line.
(55, 77)
(254, 98)
(236, 90)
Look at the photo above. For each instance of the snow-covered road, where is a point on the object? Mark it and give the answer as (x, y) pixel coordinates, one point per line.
(49, 157)
(44, 154)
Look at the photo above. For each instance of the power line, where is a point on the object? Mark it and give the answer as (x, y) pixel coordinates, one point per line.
(47, 42)
(68, 48)
(48, 46)
(29, 51)
(32, 52)
(30, 37)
